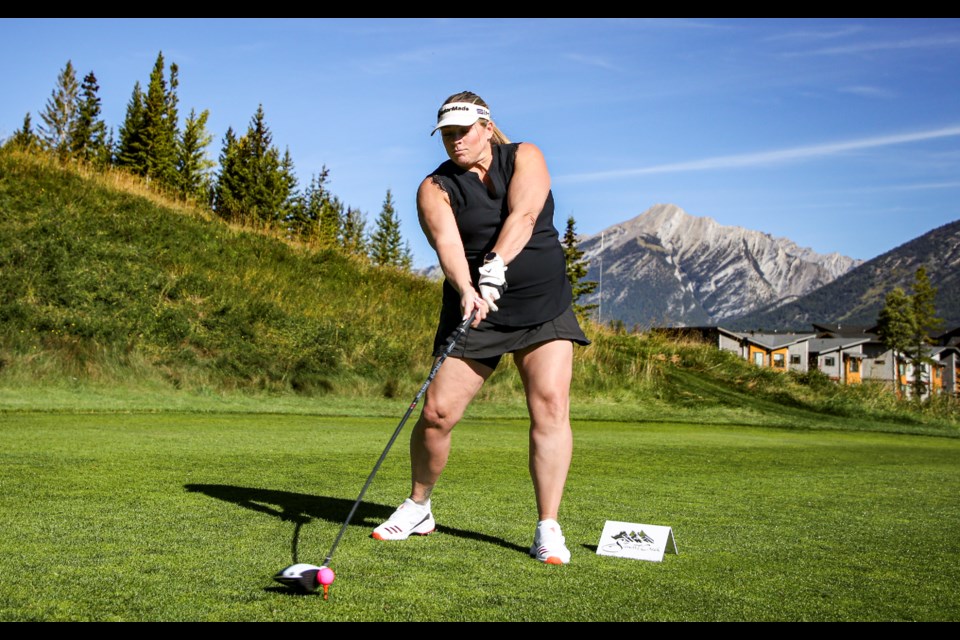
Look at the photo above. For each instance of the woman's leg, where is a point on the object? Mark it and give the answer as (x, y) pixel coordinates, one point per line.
(546, 370)
(447, 398)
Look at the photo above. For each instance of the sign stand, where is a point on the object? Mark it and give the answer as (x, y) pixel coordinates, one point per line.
(636, 541)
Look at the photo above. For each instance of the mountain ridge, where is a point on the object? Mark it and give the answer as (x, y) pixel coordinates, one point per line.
(666, 266)
(857, 296)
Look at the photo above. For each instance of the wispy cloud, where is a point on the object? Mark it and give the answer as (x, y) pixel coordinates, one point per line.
(868, 92)
(819, 34)
(883, 45)
(393, 62)
(920, 186)
(593, 61)
(681, 23)
(767, 157)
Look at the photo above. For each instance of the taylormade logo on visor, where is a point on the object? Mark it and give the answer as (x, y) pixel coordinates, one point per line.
(460, 114)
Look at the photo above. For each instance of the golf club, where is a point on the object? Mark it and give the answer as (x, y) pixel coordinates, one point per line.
(304, 576)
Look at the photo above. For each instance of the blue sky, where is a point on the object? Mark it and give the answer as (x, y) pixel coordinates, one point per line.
(842, 135)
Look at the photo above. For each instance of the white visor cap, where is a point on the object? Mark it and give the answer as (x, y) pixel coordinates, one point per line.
(460, 114)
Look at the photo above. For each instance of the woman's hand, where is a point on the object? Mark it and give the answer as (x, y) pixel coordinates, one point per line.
(492, 281)
(470, 300)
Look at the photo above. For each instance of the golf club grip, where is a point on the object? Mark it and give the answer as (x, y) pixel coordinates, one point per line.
(451, 342)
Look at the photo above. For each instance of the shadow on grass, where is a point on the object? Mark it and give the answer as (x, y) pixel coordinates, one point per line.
(301, 508)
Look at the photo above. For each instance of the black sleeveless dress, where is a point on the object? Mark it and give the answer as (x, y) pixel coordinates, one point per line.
(536, 305)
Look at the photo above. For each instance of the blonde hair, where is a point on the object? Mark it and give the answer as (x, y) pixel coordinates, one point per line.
(472, 98)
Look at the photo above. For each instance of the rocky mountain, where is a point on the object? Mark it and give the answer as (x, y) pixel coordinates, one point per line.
(857, 296)
(433, 272)
(666, 267)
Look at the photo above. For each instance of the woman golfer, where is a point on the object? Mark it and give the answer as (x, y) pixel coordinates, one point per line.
(488, 213)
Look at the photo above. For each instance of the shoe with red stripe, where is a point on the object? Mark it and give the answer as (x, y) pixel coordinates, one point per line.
(410, 518)
(549, 545)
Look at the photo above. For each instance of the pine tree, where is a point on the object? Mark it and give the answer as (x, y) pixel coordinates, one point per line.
(330, 221)
(406, 257)
(926, 322)
(302, 223)
(262, 168)
(160, 125)
(193, 165)
(895, 326)
(229, 189)
(266, 191)
(386, 241)
(109, 150)
(320, 217)
(88, 138)
(256, 185)
(60, 113)
(24, 138)
(577, 270)
(131, 148)
(289, 186)
(905, 324)
(150, 132)
(353, 238)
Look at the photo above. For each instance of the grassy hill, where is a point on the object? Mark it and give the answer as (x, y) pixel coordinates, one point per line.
(104, 284)
(101, 280)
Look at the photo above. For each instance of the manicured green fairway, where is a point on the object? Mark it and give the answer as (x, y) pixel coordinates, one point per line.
(185, 516)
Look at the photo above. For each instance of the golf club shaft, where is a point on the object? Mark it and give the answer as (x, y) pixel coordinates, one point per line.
(451, 342)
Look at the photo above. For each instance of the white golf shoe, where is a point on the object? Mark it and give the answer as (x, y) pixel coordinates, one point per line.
(549, 545)
(409, 518)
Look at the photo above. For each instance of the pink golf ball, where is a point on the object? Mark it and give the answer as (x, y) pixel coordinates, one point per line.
(325, 576)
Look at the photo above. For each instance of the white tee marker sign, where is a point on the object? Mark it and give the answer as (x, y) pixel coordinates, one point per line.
(636, 541)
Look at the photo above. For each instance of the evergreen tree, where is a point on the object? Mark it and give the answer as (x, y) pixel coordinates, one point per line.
(109, 150)
(193, 165)
(386, 243)
(925, 322)
(905, 323)
(149, 135)
(330, 227)
(24, 138)
(406, 257)
(264, 192)
(60, 113)
(302, 222)
(228, 192)
(255, 185)
(160, 125)
(131, 148)
(289, 186)
(88, 138)
(895, 326)
(353, 238)
(320, 216)
(577, 270)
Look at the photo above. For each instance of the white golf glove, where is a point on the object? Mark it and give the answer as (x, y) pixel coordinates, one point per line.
(493, 281)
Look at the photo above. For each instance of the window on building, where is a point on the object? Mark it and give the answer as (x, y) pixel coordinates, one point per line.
(854, 365)
(778, 360)
(795, 359)
(829, 361)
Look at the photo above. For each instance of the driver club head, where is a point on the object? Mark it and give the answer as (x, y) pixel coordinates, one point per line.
(300, 576)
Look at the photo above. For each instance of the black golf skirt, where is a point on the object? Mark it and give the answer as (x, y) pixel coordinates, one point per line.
(488, 342)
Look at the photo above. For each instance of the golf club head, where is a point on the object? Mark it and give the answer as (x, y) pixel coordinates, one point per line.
(300, 576)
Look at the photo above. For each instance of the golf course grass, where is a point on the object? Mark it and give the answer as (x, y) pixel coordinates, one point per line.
(185, 516)
(188, 406)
